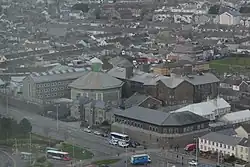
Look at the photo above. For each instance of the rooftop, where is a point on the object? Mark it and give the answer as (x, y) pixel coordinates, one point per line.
(200, 79)
(161, 118)
(243, 115)
(205, 108)
(222, 138)
(57, 75)
(96, 81)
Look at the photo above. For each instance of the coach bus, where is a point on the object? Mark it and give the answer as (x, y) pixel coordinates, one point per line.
(58, 155)
(119, 137)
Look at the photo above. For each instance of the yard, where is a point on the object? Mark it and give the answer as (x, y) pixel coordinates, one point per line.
(231, 64)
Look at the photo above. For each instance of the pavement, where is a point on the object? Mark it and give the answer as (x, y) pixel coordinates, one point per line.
(8, 159)
(95, 144)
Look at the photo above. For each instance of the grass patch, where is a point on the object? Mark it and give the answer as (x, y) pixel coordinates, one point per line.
(106, 162)
(231, 64)
(76, 151)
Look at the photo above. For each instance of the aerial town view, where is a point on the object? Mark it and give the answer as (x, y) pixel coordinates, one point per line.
(123, 83)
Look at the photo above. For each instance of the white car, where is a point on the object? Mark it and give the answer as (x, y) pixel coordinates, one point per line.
(97, 133)
(193, 163)
(123, 144)
(87, 130)
(113, 142)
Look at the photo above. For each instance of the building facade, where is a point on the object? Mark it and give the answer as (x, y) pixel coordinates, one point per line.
(175, 91)
(50, 85)
(97, 86)
(143, 123)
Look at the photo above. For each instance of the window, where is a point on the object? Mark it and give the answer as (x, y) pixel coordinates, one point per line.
(241, 149)
(232, 148)
(220, 145)
(217, 144)
(213, 143)
(246, 150)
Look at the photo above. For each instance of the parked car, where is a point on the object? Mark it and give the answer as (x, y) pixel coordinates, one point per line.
(113, 142)
(87, 130)
(104, 135)
(97, 133)
(123, 144)
(193, 163)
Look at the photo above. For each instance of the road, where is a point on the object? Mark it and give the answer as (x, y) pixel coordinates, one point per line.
(9, 160)
(95, 144)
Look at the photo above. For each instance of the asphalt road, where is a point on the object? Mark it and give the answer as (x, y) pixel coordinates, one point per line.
(96, 144)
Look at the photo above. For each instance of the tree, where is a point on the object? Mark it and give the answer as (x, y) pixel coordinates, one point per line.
(25, 126)
(215, 9)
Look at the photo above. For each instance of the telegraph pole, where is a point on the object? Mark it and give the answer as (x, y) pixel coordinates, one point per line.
(30, 149)
(57, 123)
(7, 105)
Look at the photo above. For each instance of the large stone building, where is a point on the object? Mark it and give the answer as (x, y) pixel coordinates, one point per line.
(50, 85)
(152, 125)
(174, 91)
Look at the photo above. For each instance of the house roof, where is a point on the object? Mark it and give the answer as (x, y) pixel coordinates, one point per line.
(96, 81)
(118, 72)
(222, 138)
(205, 78)
(161, 118)
(120, 62)
(246, 127)
(136, 99)
(235, 116)
(205, 108)
(57, 75)
(172, 82)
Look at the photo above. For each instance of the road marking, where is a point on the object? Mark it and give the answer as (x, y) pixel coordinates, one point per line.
(14, 161)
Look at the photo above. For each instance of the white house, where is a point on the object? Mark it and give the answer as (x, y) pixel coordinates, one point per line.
(236, 117)
(218, 142)
(225, 145)
(229, 18)
(209, 109)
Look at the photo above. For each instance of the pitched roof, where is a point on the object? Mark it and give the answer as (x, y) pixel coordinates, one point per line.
(161, 118)
(221, 138)
(120, 62)
(246, 127)
(96, 81)
(243, 115)
(172, 82)
(57, 75)
(205, 78)
(206, 107)
(136, 99)
(96, 60)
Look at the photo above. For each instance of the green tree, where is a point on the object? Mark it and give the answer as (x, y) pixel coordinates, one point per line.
(25, 126)
(215, 9)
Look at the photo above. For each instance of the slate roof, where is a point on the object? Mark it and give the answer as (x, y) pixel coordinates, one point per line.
(136, 99)
(120, 62)
(205, 108)
(172, 82)
(57, 75)
(246, 127)
(96, 81)
(205, 78)
(160, 118)
(221, 138)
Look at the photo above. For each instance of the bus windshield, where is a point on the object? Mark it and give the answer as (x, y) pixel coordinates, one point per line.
(119, 137)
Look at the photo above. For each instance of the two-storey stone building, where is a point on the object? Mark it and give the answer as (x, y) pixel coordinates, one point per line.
(153, 125)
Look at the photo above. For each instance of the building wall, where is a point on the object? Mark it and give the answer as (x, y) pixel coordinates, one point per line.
(161, 71)
(226, 19)
(113, 95)
(202, 92)
(206, 145)
(182, 94)
(154, 138)
(46, 90)
(243, 153)
(201, 67)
